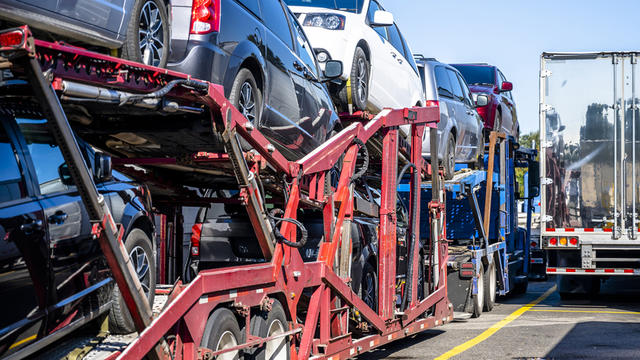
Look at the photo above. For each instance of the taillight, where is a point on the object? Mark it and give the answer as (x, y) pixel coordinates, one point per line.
(553, 241)
(432, 103)
(534, 244)
(573, 241)
(196, 232)
(205, 16)
(562, 241)
(12, 39)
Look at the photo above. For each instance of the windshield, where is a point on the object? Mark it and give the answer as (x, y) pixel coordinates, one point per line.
(344, 5)
(476, 75)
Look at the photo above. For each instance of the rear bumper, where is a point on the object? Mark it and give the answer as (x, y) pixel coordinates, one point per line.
(203, 61)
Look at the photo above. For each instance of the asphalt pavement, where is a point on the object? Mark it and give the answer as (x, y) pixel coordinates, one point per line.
(537, 325)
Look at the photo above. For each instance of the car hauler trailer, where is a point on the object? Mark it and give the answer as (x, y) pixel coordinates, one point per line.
(281, 306)
(488, 251)
(589, 163)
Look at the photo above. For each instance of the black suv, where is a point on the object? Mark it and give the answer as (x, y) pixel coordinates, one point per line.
(258, 51)
(53, 275)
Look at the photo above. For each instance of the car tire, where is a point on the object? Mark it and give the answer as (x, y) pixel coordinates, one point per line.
(222, 331)
(247, 98)
(138, 246)
(478, 299)
(490, 287)
(358, 85)
(267, 324)
(369, 288)
(148, 27)
(449, 160)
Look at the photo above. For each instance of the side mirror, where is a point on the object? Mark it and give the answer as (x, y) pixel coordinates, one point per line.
(533, 179)
(65, 174)
(482, 100)
(332, 69)
(103, 167)
(506, 86)
(382, 18)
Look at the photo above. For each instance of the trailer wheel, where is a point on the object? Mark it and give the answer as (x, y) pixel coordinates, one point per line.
(222, 332)
(478, 299)
(139, 248)
(271, 324)
(490, 287)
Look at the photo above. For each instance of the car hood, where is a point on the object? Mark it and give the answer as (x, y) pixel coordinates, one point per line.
(481, 88)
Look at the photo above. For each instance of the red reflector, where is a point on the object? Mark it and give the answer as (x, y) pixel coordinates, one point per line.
(196, 232)
(534, 244)
(609, 270)
(467, 266)
(553, 241)
(466, 273)
(573, 241)
(628, 271)
(571, 270)
(590, 270)
(12, 38)
(608, 230)
(569, 229)
(551, 269)
(588, 229)
(551, 229)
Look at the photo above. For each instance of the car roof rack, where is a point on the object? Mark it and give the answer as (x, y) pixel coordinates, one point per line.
(423, 58)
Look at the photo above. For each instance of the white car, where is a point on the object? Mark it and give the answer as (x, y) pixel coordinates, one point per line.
(378, 66)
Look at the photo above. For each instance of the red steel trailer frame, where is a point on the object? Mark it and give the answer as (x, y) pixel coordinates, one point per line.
(323, 331)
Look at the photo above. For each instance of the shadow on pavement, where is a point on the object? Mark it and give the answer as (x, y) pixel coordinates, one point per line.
(387, 351)
(599, 340)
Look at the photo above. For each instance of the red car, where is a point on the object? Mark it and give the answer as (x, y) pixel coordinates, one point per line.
(500, 113)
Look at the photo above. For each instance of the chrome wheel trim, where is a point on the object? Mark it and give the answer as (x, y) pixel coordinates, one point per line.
(451, 156)
(150, 34)
(362, 80)
(247, 101)
(276, 349)
(227, 340)
(140, 263)
(492, 284)
(481, 291)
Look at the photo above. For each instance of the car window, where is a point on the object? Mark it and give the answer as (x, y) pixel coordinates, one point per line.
(395, 39)
(477, 75)
(465, 90)
(252, 5)
(407, 53)
(455, 85)
(304, 50)
(444, 85)
(276, 21)
(381, 30)
(12, 185)
(45, 154)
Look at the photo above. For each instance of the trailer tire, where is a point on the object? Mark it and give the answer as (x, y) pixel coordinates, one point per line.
(478, 299)
(131, 49)
(120, 321)
(269, 324)
(490, 287)
(222, 331)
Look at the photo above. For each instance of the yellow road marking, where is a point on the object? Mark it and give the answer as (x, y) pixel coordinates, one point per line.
(589, 311)
(18, 343)
(495, 327)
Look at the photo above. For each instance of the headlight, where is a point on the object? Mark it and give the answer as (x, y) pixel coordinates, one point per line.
(327, 21)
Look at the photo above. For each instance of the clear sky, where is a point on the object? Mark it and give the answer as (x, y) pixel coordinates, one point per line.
(513, 34)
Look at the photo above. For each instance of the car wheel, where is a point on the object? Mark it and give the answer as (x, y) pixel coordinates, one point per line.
(271, 324)
(449, 161)
(246, 96)
(356, 92)
(140, 252)
(222, 332)
(147, 38)
(478, 299)
(369, 287)
(490, 287)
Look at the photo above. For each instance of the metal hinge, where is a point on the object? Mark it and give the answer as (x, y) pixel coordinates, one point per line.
(546, 181)
(546, 144)
(545, 73)
(545, 107)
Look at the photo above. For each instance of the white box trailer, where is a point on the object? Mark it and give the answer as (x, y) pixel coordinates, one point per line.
(589, 136)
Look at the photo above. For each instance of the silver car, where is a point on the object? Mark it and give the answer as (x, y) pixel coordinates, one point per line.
(460, 127)
(137, 30)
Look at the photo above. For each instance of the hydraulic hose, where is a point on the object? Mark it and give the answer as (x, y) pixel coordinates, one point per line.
(275, 221)
(195, 84)
(365, 164)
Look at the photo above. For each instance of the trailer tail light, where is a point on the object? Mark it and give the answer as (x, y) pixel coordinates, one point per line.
(205, 16)
(562, 241)
(534, 244)
(12, 39)
(196, 232)
(553, 241)
(573, 241)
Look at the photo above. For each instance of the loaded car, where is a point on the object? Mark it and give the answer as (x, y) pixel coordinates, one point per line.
(53, 274)
(500, 113)
(260, 54)
(460, 128)
(136, 29)
(379, 70)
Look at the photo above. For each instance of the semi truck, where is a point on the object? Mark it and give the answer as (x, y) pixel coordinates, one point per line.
(589, 167)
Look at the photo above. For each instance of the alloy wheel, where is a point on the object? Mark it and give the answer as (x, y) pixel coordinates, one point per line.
(150, 34)
(141, 265)
(247, 101)
(362, 80)
(369, 295)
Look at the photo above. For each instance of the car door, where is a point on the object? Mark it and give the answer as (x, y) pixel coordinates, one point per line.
(464, 148)
(446, 101)
(24, 275)
(285, 85)
(75, 258)
(475, 121)
(397, 70)
(106, 14)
